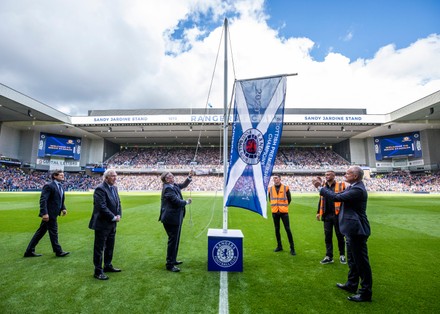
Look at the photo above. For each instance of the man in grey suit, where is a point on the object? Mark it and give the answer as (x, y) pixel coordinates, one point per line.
(106, 214)
(51, 206)
(353, 223)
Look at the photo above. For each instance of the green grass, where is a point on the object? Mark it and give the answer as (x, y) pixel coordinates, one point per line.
(404, 254)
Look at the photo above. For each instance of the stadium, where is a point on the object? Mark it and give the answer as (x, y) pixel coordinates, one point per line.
(399, 152)
(406, 140)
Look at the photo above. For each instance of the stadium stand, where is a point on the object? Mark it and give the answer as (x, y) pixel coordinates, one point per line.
(150, 162)
(399, 150)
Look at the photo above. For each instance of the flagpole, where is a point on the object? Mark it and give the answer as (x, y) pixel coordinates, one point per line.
(225, 127)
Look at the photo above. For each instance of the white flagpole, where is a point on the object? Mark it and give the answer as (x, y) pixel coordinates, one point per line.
(224, 298)
(225, 127)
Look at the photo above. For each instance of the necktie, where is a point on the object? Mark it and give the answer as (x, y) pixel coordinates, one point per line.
(112, 188)
(60, 189)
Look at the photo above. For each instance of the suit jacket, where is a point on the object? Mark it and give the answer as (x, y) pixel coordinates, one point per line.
(105, 208)
(353, 215)
(172, 209)
(51, 201)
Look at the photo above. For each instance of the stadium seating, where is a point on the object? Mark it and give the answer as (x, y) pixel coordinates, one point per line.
(139, 170)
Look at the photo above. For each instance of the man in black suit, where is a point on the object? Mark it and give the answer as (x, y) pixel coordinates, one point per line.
(328, 212)
(172, 212)
(51, 206)
(353, 223)
(106, 214)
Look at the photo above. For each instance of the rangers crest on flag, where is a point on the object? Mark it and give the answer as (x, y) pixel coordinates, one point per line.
(250, 146)
(256, 133)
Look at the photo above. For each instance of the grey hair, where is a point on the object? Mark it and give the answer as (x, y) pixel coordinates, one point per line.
(108, 173)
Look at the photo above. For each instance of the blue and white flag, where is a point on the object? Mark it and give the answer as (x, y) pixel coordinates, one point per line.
(256, 134)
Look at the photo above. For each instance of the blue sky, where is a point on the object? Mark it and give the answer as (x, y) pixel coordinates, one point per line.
(357, 29)
(129, 54)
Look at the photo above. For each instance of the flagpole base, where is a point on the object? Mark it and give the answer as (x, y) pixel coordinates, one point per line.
(225, 250)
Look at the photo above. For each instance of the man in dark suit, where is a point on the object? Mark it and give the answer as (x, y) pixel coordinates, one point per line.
(328, 212)
(172, 212)
(106, 214)
(51, 206)
(353, 223)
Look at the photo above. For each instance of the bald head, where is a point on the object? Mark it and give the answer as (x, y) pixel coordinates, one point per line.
(354, 174)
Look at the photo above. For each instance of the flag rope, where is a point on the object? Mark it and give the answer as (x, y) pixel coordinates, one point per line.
(198, 144)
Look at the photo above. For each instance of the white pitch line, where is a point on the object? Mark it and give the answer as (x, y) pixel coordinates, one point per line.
(223, 304)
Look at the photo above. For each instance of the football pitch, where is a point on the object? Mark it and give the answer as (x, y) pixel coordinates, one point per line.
(404, 251)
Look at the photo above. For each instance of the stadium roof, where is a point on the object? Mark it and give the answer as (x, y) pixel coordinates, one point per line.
(190, 126)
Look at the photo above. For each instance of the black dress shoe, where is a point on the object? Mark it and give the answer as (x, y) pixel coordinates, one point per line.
(278, 249)
(31, 254)
(359, 298)
(111, 269)
(101, 276)
(178, 262)
(346, 288)
(62, 254)
(173, 269)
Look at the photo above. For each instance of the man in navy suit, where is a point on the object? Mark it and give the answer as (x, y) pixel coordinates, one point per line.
(106, 214)
(172, 212)
(353, 223)
(51, 206)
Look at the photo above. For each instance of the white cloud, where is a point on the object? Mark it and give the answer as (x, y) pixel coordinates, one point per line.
(348, 36)
(81, 55)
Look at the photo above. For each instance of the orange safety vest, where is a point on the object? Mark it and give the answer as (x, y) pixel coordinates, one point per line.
(279, 201)
(339, 187)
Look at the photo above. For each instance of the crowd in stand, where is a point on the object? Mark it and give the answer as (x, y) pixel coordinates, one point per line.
(149, 162)
(306, 158)
(13, 178)
(404, 181)
(172, 157)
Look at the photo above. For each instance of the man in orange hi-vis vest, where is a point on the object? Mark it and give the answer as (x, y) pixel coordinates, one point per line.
(328, 211)
(280, 198)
